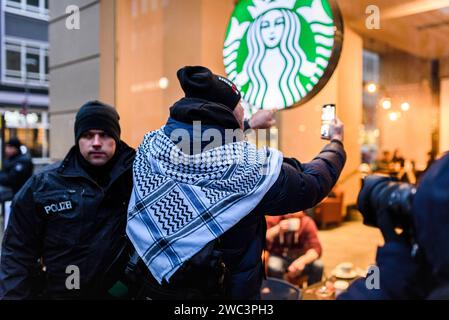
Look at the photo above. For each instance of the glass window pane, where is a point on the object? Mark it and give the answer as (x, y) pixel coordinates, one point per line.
(13, 4)
(46, 64)
(46, 4)
(13, 60)
(32, 62)
(34, 3)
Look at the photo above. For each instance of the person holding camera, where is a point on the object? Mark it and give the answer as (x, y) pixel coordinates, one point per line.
(414, 262)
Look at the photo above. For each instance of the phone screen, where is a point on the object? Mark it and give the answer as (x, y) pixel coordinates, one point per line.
(327, 116)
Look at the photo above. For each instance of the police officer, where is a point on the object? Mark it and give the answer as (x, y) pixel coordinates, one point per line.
(69, 220)
(17, 167)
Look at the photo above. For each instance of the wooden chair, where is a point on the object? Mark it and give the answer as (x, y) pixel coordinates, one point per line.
(329, 211)
(265, 256)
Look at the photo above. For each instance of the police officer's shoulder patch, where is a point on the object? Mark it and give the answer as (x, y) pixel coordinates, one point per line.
(18, 167)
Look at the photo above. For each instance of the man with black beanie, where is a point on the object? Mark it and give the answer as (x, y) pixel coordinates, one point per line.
(199, 82)
(69, 220)
(196, 217)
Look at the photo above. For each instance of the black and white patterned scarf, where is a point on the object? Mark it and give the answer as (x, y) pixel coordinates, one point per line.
(182, 202)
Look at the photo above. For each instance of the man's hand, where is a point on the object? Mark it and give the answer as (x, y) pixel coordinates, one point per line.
(296, 267)
(337, 130)
(388, 230)
(262, 119)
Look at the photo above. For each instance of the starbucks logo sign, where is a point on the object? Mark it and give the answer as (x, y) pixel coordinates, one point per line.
(280, 53)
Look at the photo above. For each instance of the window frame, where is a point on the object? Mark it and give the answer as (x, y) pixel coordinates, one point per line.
(16, 49)
(31, 79)
(24, 9)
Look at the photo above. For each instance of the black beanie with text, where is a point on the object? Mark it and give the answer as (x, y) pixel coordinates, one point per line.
(200, 82)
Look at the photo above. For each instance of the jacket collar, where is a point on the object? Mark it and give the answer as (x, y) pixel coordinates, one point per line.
(70, 166)
(188, 110)
(199, 134)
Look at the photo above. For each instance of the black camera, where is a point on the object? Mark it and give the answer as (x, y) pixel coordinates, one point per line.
(381, 192)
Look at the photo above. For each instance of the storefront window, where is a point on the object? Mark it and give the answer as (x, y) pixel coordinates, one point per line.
(31, 129)
(400, 112)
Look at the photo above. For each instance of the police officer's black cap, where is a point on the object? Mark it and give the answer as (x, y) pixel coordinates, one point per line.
(96, 115)
(14, 142)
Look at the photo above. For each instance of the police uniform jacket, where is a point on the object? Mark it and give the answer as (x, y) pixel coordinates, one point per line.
(62, 221)
(16, 172)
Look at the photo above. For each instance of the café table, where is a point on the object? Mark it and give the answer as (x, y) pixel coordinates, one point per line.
(312, 292)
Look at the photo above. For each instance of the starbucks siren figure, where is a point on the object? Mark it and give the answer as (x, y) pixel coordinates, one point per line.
(273, 68)
(275, 58)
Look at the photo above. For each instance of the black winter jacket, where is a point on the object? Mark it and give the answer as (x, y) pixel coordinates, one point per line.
(300, 186)
(65, 219)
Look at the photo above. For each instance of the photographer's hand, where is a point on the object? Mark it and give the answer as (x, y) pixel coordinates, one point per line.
(388, 229)
(400, 273)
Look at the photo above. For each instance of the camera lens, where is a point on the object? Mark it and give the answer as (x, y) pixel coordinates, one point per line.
(385, 193)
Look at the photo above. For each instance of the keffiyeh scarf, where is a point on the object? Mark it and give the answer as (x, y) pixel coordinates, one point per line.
(181, 202)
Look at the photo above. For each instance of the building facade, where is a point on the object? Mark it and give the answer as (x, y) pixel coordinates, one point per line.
(127, 52)
(24, 81)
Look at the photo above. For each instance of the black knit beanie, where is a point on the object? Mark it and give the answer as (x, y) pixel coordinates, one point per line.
(200, 82)
(14, 142)
(95, 115)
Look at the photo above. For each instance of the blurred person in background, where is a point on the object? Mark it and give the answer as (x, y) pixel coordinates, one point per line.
(294, 247)
(398, 159)
(383, 164)
(17, 167)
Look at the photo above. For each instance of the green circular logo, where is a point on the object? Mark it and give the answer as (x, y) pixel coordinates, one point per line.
(280, 53)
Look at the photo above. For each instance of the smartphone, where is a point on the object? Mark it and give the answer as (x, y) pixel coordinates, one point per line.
(328, 114)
